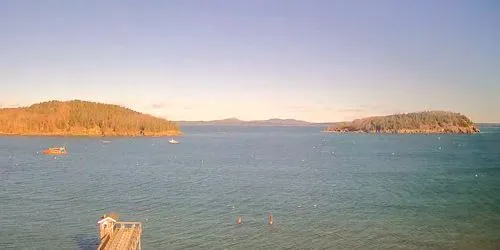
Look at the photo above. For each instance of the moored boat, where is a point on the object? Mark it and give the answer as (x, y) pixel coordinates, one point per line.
(55, 151)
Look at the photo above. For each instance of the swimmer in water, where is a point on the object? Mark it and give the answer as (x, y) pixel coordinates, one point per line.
(269, 218)
(239, 220)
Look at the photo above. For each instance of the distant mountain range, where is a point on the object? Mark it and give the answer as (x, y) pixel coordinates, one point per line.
(488, 125)
(275, 122)
(269, 122)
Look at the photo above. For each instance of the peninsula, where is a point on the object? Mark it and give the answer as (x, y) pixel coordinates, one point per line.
(429, 122)
(82, 118)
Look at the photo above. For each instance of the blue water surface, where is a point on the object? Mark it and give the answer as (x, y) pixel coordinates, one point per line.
(326, 191)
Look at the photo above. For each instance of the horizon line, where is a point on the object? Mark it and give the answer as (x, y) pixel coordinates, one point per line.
(128, 106)
(274, 118)
(252, 120)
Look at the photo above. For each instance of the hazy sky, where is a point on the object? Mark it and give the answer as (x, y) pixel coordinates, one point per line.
(210, 59)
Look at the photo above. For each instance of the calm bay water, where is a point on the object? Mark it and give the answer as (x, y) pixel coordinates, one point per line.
(326, 191)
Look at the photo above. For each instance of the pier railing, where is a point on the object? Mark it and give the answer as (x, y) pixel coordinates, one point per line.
(104, 242)
(128, 225)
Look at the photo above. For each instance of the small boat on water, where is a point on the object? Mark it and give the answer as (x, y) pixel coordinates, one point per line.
(172, 141)
(55, 151)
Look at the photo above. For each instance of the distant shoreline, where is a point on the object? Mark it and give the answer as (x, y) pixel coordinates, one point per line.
(274, 122)
(252, 125)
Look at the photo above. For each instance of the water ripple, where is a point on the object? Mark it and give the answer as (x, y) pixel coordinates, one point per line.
(325, 192)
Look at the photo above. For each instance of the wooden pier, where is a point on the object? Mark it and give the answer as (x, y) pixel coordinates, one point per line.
(119, 235)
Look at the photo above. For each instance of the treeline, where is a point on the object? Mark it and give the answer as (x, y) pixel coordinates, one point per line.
(81, 118)
(420, 122)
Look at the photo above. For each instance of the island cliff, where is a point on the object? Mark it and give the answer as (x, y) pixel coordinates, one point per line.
(82, 118)
(429, 122)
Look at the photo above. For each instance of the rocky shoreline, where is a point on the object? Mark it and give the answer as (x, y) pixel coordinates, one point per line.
(408, 131)
(163, 134)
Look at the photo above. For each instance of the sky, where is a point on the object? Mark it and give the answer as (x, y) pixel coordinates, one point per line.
(313, 60)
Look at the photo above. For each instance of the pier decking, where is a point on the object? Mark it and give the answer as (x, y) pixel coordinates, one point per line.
(119, 235)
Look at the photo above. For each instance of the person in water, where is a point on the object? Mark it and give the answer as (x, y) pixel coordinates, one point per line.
(269, 218)
(239, 220)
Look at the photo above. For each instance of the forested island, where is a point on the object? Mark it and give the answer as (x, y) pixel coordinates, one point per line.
(429, 122)
(82, 118)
